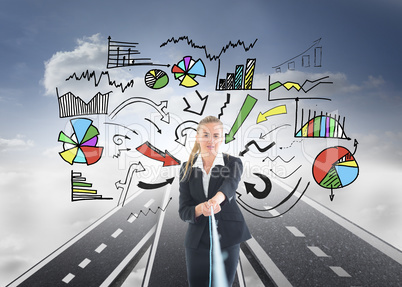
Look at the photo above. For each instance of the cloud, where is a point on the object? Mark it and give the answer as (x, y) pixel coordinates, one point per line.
(17, 143)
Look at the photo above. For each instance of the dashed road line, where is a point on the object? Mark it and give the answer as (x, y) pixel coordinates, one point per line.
(148, 204)
(340, 271)
(68, 278)
(84, 263)
(117, 233)
(100, 248)
(317, 251)
(273, 212)
(296, 232)
(132, 217)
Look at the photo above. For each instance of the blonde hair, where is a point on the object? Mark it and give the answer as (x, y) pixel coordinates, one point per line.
(196, 148)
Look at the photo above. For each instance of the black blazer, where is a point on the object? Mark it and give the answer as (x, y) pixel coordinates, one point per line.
(231, 224)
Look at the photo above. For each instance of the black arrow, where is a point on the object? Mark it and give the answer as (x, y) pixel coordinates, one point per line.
(253, 142)
(250, 187)
(332, 195)
(355, 145)
(159, 130)
(202, 99)
(145, 185)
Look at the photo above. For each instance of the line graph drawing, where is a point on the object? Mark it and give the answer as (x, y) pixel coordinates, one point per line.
(278, 156)
(121, 54)
(307, 86)
(81, 189)
(71, 105)
(290, 174)
(87, 75)
(305, 58)
(133, 216)
(241, 79)
(224, 105)
(203, 47)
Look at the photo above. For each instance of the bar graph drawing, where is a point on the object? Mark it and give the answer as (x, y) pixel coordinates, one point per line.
(82, 190)
(241, 79)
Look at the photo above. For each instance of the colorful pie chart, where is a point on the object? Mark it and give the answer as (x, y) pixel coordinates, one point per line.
(156, 79)
(81, 147)
(335, 167)
(187, 69)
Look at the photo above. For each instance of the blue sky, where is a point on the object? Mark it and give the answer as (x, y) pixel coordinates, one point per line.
(361, 52)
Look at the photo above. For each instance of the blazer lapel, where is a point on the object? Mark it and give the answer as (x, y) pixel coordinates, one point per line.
(217, 175)
(197, 178)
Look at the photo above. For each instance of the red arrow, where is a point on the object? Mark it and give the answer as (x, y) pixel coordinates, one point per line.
(150, 151)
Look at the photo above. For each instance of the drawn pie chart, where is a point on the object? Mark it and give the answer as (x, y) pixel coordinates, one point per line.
(81, 147)
(335, 167)
(187, 69)
(156, 79)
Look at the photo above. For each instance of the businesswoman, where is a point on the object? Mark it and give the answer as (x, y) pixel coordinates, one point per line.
(210, 179)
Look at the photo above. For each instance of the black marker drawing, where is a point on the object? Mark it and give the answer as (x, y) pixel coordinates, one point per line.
(207, 55)
(250, 187)
(120, 125)
(125, 185)
(82, 190)
(305, 58)
(263, 136)
(284, 177)
(120, 54)
(145, 185)
(157, 128)
(187, 69)
(158, 107)
(286, 161)
(92, 75)
(117, 139)
(253, 142)
(202, 100)
(136, 215)
(71, 105)
(156, 79)
(224, 105)
(181, 137)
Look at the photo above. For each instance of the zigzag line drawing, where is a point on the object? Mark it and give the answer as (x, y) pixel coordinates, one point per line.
(207, 55)
(224, 105)
(149, 210)
(92, 75)
(286, 161)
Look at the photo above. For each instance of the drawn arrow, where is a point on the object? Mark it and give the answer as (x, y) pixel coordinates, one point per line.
(250, 187)
(119, 152)
(263, 136)
(182, 140)
(272, 112)
(245, 110)
(159, 130)
(355, 145)
(332, 195)
(202, 99)
(117, 138)
(160, 108)
(253, 142)
(145, 185)
(150, 151)
(124, 186)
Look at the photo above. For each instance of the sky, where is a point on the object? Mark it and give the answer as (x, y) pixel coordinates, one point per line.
(47, 41)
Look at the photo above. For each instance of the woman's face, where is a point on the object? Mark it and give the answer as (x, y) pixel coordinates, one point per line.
(210, 137)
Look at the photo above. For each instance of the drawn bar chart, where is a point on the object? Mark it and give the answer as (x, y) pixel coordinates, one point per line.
(241, 79)
(81, 190)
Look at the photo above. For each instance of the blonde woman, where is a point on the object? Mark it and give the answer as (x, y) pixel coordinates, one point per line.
(210, 179)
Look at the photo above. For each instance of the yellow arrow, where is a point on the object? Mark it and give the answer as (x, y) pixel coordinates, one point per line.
(272, 112)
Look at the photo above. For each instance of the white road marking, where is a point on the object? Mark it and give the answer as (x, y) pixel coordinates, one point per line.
(84, 263)
(100, 248)
(273, 212)
(132, 217)
(117, 233)
(148, 204)
(68, 278)
(296, 232)
(317, 251)
(340, 271)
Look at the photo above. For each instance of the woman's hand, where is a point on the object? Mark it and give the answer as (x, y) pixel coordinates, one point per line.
(205, 207)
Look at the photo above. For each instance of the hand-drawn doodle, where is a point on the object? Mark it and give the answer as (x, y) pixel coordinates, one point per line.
(81, 147)
(157, 128)
(133, 216)
(92, 75)
(307, 86)
(80, 189)
(322, 126)
(117, 139)
(291, 144)
(290, 174)
(145, 185)
(207, 55)
(335, 168)
(305, 58)
(120, 55)
(245, 110)
(253, 142)
(187, 69)
(120, 125)
(203, 100)
(71, 105)
(156, 79)
(285, 161)
(279, 110)
(250, 187)
(125, 185)
(159, 108)
(263, 136)
(241, 79)
(150, 151)
(224, 105)
(181, 137)
(262, 212)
